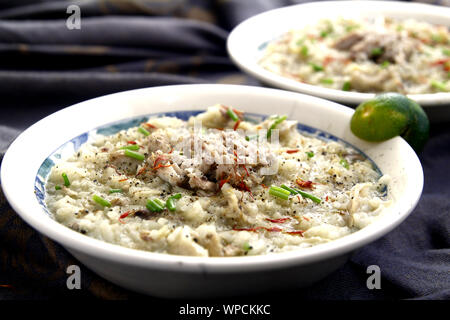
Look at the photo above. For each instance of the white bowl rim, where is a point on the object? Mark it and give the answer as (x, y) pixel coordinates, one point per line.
(85, 245)
(428, 100)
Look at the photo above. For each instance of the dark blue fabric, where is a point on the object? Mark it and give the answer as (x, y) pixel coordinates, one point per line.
(133, 44)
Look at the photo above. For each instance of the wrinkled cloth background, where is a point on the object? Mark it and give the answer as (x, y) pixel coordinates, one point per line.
(142, 43)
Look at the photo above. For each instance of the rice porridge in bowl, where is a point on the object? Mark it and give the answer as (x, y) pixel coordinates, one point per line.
(376, 54)
(220, 183)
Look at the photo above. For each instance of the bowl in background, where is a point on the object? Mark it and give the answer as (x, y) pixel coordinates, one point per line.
(247, 41)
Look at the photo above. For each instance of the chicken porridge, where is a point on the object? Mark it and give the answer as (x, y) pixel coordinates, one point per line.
(231, 187)
(365, 55)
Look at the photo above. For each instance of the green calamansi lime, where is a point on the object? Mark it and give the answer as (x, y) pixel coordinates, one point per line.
(388, 115)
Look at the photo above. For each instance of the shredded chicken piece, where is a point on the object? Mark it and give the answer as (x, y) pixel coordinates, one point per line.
(209, 239)
(184, 170)
(123, 164)
(358, 192)
(380, 47)
(234, 211)
(196, 182)
(180, 241)
(159, 164)
(364, 82)
(348, 41)
(158, 141)
(352, 157)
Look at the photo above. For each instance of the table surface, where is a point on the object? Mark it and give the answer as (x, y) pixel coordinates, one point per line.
(46, 67)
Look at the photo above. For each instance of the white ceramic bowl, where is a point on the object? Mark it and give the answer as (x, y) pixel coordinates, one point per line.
(180, 276)
(247, 41)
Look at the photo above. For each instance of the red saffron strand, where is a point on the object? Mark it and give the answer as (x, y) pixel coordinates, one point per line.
(295, 232)
(243, 166)
(443, 62)
(236, 125)
(304, 184)
(327, 60)
(143, 169)
(274, 229)
(162, 166)
(124, 215)
(281, 220)
(149, 125)
(222, 182)
(159, 158)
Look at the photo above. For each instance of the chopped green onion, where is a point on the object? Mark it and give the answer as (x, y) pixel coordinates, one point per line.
(159, 202)
(247, 247)
(351, 27)
(304, 51)
(66, 179)
(327, 81)
(135, 155)
(134, 147)
(154, 205)
(101, 201)
(300, 42)
(316, 67)
(309, 196)
(232, 115)
(302, 193)
(385, 64)
(291, 191)
(275, 124)
(439, 85)
(248, 138)
(57, 187)
(310, 154)
(344, 163)
(327, 31)
(143, 131)
(347, 86)
(437, 38)
(446, 52)
(115, 190)
(376, 52)
(170, 203)
(279, 192)
(176, 196)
